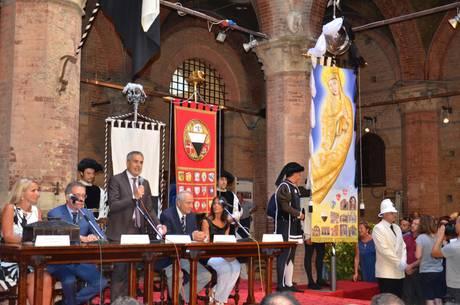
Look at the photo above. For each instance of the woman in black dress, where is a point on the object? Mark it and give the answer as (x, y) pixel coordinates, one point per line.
(228, 269)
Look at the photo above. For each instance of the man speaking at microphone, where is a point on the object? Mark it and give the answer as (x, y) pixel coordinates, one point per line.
(73, 212)
(126, 190)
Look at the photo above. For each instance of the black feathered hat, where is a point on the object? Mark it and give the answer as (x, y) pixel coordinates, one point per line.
(89, 163)
(228, 175)
(288, 170)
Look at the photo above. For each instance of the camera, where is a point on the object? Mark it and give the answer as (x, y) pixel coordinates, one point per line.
(450, 229)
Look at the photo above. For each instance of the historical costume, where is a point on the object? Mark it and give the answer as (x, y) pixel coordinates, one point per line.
(288, 222)
(96, 199)
(233, 203)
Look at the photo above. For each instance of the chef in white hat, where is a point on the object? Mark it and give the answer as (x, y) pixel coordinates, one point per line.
(390, 250)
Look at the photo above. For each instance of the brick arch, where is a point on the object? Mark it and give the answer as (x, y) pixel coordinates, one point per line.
(272, 15)
(438, 48)
(199, 43)
(407, 37)
(384, 43)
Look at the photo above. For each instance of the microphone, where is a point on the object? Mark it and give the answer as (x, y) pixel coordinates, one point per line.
(99, 234)
(74, 199)
(145, 214)
(226, 204)
(148, 219)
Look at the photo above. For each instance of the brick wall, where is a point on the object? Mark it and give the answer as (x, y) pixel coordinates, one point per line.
(7, 25)
(43, 124)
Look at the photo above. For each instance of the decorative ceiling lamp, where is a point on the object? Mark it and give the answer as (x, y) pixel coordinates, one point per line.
(334, 37)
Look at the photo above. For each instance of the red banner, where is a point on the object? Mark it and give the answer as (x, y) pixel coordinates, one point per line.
(196, 146)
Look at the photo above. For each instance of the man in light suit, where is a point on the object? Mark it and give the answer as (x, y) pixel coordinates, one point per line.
(73, 212)
(125, 189)
(390, 249)
(179, 220)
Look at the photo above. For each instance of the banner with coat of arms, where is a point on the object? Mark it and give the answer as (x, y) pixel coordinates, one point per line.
(332, 155)
(196, 150)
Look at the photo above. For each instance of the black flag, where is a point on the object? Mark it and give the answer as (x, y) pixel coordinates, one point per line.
(126, 16)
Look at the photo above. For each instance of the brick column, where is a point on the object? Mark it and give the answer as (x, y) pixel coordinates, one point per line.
(39, 116)
(288, 107)
(421, 149)
(287, 75)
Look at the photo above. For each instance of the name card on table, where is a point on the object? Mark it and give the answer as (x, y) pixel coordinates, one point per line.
(224, 238)
(272, 238)
(52, 240)
(134, 239)
(177, 239)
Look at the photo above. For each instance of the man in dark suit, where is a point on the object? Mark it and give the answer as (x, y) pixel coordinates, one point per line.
(73, 212)
(179, 220)
(125, 189)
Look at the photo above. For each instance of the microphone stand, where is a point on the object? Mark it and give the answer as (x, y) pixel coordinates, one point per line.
(241, 226)
(99, 234)
(149, 220)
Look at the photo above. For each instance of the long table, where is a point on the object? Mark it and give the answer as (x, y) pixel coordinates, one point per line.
(251, 250)
(39, 257)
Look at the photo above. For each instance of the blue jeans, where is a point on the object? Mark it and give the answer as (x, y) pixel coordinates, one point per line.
(68, 274)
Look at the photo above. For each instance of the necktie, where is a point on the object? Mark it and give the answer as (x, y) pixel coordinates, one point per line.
(182, 221)
(136, 214)
(74, 217)
(392, 229)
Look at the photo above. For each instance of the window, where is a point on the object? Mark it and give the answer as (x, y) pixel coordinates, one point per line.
(373, 160)
(212, 90)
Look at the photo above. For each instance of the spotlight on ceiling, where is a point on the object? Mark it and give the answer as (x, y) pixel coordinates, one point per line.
(221, 36)
(445, 112)
(251, 44)
(456, 20)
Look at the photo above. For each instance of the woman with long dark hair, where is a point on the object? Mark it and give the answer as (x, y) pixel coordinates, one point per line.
(228, 269)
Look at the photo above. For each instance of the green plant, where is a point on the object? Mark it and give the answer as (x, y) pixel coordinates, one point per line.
(344, 254)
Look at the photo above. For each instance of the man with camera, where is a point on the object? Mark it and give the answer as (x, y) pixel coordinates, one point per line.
(451, 251)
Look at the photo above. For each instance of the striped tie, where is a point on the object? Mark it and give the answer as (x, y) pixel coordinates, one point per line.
(74, 218)
(182, 221)
(137, 214)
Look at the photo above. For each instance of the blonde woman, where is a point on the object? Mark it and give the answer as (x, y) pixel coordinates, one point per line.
(21, 210)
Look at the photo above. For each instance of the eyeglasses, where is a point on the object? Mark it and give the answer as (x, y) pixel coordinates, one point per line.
(80, 196)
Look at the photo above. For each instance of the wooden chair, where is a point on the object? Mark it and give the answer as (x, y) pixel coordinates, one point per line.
(160, 284)
(10, 295)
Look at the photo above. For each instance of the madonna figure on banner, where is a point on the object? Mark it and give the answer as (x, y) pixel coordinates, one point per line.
(336, 118)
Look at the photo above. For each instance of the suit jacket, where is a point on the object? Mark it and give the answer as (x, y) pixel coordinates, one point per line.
(390, 251)
(122, 205)
(170, 219)
(85, 229)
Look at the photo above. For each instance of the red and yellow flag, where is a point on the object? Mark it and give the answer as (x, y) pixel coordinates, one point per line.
(196, 150)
